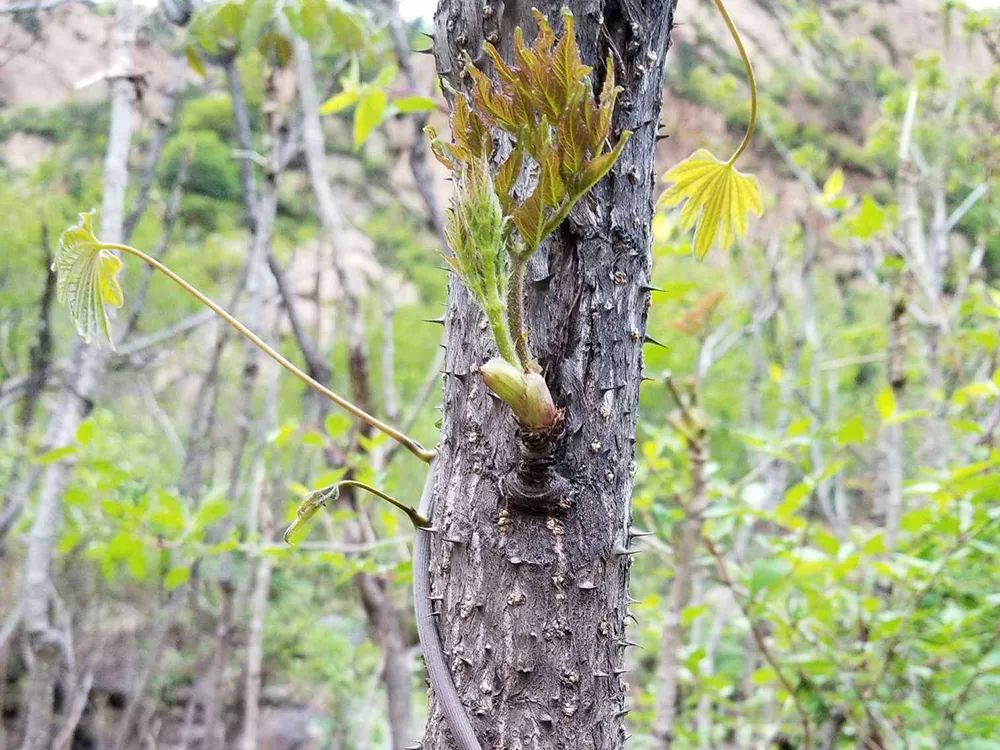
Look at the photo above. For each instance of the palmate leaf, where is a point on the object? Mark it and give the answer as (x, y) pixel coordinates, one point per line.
(87, 279)
(718, 198)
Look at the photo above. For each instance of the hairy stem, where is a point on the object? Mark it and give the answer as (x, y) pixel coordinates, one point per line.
(501, 332)
(751, 80)
(407, 442)
(515, 307)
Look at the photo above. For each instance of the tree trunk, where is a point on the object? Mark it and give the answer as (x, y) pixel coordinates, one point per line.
(534, 607)
(259, 525)
(44, 640)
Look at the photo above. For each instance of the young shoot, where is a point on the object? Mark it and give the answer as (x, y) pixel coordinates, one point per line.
(87, 283)
(558, 139)
(718, 196)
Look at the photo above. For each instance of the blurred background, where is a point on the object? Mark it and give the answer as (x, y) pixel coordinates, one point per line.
(818, 449)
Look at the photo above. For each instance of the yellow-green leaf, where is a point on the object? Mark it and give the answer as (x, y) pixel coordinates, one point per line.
(407, 104)
(338, 102)
(834, 184)
(718, 198)
(368, 115)
(87, 278)
(885, 403)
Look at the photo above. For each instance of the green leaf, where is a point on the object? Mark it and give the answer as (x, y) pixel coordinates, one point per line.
(211, 511)
(176, 577)
(692, 612)
(717, 199)
(385, 76)
(834, 184)
(766, 573)
(869, 219)
(407, 104)
(885, 403)
(793, 500)
(338, 102)
(851, 432)
(337, 425)
(194, 61)
(368, 115)
(56, 454)
(85, 432)
(87, 279)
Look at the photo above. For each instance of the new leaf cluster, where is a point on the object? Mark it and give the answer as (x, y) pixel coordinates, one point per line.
(558, 142)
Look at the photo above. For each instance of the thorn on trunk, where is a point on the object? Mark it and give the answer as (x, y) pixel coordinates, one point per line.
(586, 585)
(627, 644)
(648, 288)
(634, 533)
(623, 552)
(647, 339)
(542, 283)
(439, 321)
(619, 672)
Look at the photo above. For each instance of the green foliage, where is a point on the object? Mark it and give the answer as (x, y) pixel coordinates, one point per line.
(212, 173)
(211, 112)
(370, 100)
(894, 632)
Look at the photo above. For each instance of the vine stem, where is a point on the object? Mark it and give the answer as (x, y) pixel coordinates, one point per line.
(438, 671)
(416, 519)
(751, 80)
(406, 441)
(318, 499)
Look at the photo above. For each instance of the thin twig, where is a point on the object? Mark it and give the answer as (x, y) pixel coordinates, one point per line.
(761, 642)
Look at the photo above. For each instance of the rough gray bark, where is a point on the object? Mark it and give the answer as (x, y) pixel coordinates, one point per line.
(533, 607)
(44, 640)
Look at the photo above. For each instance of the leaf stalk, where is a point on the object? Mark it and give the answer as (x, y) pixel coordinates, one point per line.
(751, 81)
(406, 441)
